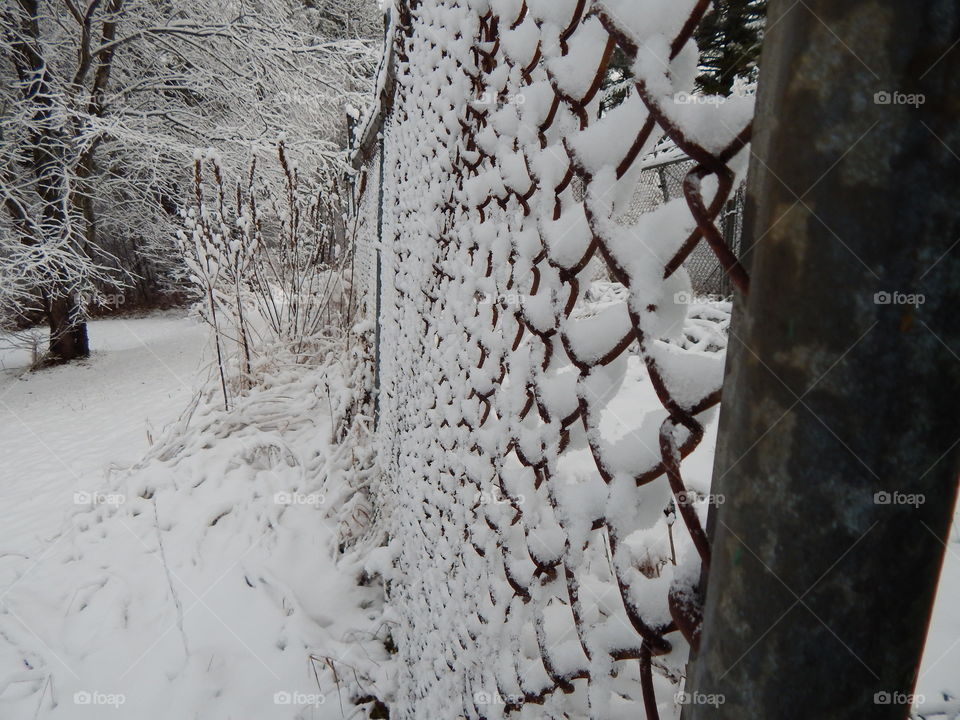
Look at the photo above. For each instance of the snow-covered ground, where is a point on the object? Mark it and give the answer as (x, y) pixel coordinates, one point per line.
(202, 582)
(63, 426)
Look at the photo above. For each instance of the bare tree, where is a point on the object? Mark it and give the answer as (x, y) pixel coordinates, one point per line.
(103, 105)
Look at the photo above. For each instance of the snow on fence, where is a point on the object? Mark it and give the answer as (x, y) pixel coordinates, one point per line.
(660, 181)
(546, 381)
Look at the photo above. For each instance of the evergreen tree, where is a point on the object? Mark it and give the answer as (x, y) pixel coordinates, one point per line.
(729, 39)
(617, 82)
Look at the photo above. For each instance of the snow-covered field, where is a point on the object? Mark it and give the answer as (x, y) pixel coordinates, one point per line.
(63, 426)
(197, 584)
(202, 583)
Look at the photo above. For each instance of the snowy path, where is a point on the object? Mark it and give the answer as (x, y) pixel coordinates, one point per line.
(207, 590)
(62, 427)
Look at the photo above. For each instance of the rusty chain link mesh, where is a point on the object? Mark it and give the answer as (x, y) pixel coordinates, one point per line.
(661, 181)
(545, 381)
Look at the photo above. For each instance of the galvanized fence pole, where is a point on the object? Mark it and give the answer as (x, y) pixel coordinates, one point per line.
(840, 430)
(379, 288)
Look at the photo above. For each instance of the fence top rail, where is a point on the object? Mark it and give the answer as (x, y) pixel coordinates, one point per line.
(364, 144)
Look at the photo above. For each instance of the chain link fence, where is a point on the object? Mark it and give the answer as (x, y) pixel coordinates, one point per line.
(661, 181)
(547, 375)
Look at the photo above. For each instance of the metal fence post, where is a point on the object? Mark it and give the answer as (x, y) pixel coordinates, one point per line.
(838, 450)
(376, 332)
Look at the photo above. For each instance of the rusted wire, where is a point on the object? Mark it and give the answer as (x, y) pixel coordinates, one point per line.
(482, 438)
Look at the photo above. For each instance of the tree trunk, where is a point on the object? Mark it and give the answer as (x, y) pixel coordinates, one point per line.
(68, 330)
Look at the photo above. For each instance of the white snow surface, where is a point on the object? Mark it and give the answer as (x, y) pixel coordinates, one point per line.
(938, 683)
(205, 593)
(197, 581)
(63, 426)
